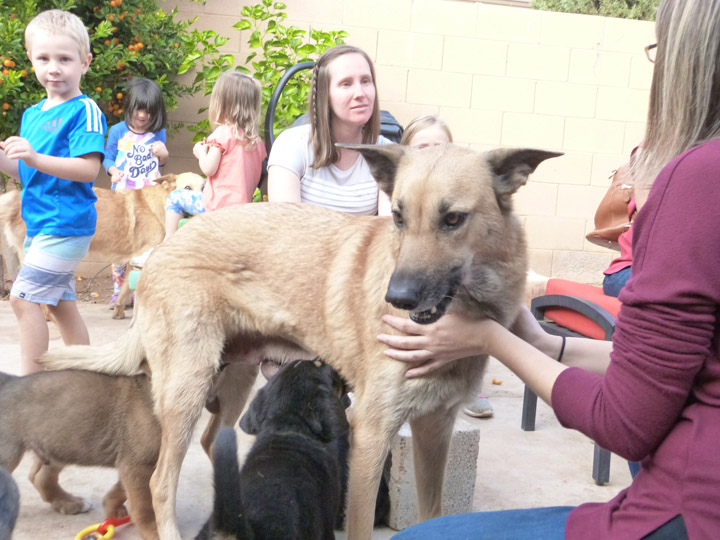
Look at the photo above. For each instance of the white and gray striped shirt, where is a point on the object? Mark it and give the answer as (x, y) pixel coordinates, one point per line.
(353, 191)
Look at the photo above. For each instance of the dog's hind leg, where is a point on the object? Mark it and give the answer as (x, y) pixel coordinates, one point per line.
(179, 392)
(136, 479)
(114, 501)
(45, 479)
(431, 435)
(230, 392)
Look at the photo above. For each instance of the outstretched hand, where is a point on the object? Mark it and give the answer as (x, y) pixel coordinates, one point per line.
(19, 148)
(429, 347)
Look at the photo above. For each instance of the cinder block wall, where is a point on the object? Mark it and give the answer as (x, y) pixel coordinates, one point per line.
(500, 76)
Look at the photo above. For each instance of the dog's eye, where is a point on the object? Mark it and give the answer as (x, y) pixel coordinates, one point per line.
(453, 220)
(397, 218)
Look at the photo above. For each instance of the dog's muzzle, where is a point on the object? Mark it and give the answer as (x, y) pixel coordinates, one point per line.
(425, 299)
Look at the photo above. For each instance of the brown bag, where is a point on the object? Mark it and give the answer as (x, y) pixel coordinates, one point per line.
(611, 217)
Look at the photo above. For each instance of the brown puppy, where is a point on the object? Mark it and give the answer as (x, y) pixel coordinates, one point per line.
(43, 413)
(129, 222)
(281, 281)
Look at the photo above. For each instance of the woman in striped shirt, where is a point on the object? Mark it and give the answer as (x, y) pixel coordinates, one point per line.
(306, 166)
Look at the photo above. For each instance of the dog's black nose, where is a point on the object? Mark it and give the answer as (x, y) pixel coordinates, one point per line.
(403, 292)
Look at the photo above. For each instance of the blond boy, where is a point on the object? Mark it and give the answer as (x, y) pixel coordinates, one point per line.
(57, 158)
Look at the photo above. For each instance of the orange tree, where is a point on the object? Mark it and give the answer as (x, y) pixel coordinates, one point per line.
(129, 38)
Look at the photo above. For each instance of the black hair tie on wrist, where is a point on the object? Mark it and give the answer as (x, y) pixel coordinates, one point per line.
(562, 349)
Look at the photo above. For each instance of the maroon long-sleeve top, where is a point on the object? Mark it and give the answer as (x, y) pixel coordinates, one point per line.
(659, 402)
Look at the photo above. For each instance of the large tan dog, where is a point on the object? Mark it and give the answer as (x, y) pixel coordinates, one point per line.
(129, 222)
(290, 281)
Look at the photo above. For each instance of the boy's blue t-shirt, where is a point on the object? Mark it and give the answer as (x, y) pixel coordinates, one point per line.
(52, 205)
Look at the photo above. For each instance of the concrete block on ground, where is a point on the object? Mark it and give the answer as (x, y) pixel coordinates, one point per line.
(459, 476)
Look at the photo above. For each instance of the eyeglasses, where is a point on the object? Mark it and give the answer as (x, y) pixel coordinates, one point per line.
(650, 52)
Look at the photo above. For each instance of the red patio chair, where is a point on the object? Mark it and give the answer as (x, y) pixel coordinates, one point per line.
(573, 309)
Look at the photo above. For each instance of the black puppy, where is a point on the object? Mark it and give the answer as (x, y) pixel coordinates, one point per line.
(9, 504)
(289, 486)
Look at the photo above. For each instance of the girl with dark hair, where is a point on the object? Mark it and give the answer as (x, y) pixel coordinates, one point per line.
(135, 148)
(306, 166)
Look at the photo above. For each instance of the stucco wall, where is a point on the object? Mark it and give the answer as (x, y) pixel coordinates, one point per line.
(500, 76)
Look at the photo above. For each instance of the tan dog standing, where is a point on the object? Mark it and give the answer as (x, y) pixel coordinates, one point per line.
(287, 281)
(82, 418)
(129, 222)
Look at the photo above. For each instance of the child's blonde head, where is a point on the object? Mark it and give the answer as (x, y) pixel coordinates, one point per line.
(422, 123)
(235, 101)
(56, 21)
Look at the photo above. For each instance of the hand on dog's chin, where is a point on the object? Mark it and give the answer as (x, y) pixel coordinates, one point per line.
(428, 347)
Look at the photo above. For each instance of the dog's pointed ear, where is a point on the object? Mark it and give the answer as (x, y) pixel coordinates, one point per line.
(382, 159)
(511, 168)
(167, 181)
(252, 421)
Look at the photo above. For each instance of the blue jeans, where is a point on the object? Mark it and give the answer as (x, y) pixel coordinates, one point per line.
(613, 283)
(531, 523)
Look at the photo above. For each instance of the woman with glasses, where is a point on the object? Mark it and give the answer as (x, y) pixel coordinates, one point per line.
(653, 394)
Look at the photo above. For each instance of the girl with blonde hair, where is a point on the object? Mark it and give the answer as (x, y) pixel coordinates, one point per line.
(231, 156)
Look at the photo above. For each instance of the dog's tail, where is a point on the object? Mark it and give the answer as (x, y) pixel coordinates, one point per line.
(227, 511)
(9, 215)
(121, 357)
(9, 206)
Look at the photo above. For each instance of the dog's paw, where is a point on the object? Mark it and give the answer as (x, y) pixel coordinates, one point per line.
(71, 506)
(117, 511)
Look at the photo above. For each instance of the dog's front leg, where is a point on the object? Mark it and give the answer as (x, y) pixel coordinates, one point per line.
(136, 479)
(371, 439)
(123, 297)
(431, 435)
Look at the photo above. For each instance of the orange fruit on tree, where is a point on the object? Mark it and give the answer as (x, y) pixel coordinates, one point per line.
(23, 73)
(119, 95)
(8, 63)
(6, 106)
(6, 72)
(98, 89)
(113, 3)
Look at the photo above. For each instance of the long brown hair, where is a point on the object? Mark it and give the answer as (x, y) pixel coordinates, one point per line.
(325, 152)
(684, 108)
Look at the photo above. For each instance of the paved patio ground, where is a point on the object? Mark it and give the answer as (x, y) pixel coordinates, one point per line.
(516, 469)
